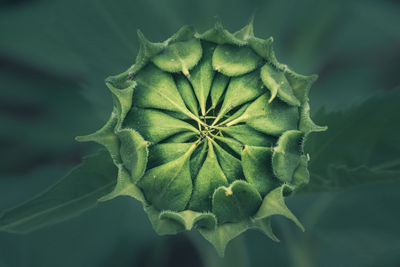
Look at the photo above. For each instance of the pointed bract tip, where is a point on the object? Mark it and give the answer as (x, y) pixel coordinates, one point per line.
(141, 36)
(83, 138)
(106, 198)
(251, 20)
(313, 77)
(218, 25)
(139, 33)
(252, 16)
(109, 81)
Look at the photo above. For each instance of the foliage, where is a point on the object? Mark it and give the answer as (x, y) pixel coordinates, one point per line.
(49, 49)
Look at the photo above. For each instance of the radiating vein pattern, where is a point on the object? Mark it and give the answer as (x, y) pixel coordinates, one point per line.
(231, 135)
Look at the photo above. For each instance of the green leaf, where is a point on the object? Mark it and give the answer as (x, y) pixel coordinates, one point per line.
(30, 105)
(146, 52)
(169, 186)
(185, 33)
(277, 83)
(106, 137)
(300, 84)
(202, 75)
(241, 90)
(230, 144)
(274, 204)
(221, 236)
(264, 225)
(154, 125)
(77, 192)
(220, 36)
(218, 88)
(188, 219)
(171, 222)
(361, 146)
(236, 114)
(286, 155)
(262, 47)
(124, 187)
(306, 125)
(247, 31)
(122, 96)
(134, 152)
(179, 56)
(301, 175)
(269, 118)
(157, 89)
(343, 176)
(249, 136)
(162, 153)
(187, 93)
(181, 137)
(234, 61)
(162, 227)
(235, 203)
(257, 168)
(198, 157)
(230, 165)
(210, 177)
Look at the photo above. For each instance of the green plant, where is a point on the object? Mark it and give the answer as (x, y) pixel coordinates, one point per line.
(207, 131)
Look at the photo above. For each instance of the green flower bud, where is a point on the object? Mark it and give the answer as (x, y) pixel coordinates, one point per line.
(208, 131)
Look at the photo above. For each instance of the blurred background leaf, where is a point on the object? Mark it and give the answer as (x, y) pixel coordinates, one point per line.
(361, 145)
(74, 194)
(55, 55)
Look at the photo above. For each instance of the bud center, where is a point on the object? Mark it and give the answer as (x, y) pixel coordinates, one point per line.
(207, 129)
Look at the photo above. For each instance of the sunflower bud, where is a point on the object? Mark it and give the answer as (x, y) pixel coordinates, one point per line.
(208, 131)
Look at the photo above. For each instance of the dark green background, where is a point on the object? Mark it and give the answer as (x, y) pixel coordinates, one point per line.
(54, 57)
